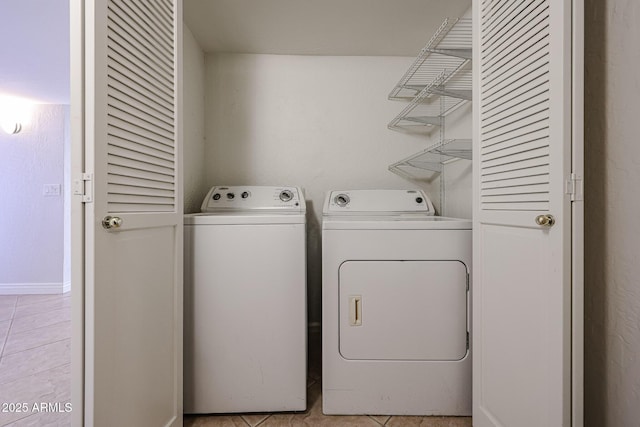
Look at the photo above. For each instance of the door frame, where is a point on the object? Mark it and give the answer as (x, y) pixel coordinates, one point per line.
(577, 215)
(76, 24)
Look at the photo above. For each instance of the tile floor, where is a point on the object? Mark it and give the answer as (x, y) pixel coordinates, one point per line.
(35, 359)
(313, 415)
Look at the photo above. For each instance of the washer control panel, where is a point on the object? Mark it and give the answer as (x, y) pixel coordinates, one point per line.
(253, 198)
(377, 202)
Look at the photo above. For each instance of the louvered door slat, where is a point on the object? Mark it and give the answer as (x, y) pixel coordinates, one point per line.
(165, 6)
(122, 29)
(131, 99)
(140, 182)
(519, 22)
(130, 138)
(140, 148)
(516, 182)
(140, 107)
(515, 129)
(136, 91)
(507, 177)
(516, 190)
(123, 199)
(514, 74)
(139, 127)
(136, 164)
(139, 112)
(516, 114)
(125, 171)
(142, 69)
(520, 95)
(519, 49)
(154, 27)
(160, 19)
(491, 12)
(517, 148)
(140, 156)
(139, 191)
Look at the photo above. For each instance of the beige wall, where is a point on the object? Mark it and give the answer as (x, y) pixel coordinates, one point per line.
(195, 184)
(612, 206)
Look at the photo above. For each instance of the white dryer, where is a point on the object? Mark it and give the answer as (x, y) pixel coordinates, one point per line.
(395, 294)
(245, 327)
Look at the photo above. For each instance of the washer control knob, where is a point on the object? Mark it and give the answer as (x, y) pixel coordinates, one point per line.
(419, 200)
(244, 195)
(341, 200)
(216, 196)
(231, 196)
(286, 195)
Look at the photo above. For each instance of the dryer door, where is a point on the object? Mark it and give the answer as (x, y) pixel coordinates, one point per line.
(403, 310)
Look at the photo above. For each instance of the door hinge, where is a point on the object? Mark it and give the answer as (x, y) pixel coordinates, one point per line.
(84, 187)
(574, 187)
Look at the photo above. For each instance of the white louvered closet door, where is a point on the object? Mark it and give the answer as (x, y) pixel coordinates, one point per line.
(133, 308)
(524, 70)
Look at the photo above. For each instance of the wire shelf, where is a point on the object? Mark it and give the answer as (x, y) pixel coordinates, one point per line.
(447, 51)
(428, 163)
(426, 111)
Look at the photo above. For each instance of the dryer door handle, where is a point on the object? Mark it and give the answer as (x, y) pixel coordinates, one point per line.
(355, 310)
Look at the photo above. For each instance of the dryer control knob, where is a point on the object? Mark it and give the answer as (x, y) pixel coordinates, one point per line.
(341, 200)
(230, 196)
(419, 200)
(286, 195)
(216, 196)
(244, 194)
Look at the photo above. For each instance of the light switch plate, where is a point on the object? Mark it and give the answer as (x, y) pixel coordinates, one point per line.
(52, 190)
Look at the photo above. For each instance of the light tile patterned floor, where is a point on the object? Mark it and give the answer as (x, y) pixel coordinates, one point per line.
(35, 367)
(35, 359)
(313, 415)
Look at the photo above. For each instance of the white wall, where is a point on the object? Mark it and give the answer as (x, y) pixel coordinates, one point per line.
(314, 121)
(31, 225)
(457, 174)
(612, 204)
(195, 184)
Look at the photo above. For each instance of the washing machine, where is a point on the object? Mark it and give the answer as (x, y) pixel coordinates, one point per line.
(396, 306)
(245, 316)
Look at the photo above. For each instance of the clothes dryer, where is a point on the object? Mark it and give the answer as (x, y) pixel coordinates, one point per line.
(396, 301)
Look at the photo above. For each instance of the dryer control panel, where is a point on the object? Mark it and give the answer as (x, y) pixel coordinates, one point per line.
(253, 198)
(377, 202)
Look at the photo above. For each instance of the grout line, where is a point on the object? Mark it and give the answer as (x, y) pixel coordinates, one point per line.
(262, 422)
(37, 372)
(61, 307)
(32, 348)
(6, 338)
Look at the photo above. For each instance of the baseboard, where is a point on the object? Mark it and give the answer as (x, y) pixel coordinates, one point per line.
(31, 288)
(66, 287)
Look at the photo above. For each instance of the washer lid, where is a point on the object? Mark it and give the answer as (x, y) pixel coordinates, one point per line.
(377, 203)
(254, 200)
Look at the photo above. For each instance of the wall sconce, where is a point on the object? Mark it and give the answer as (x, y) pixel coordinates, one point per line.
(14, 113)
(11, 127)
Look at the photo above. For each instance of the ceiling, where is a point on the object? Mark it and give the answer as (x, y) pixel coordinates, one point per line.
(34, 35)
(318, 27)
(34, 47)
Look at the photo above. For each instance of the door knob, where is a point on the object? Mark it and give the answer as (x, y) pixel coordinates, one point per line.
(110, 222)
(545, 220)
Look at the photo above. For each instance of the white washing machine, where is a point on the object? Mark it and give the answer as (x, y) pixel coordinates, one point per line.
(395, 295)
(245, 327)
